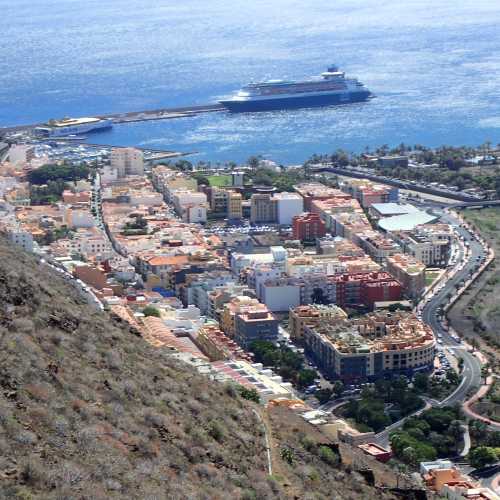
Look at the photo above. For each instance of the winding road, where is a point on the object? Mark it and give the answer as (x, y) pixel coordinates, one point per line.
(471, 373)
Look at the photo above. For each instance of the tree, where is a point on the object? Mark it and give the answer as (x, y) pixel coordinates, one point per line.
(439, 418)
(306, 377)
(455, 430)
(253, 162)
(47, 173)
(323, 395)
(151, 311)
(452, 377)
(481, 456)
(338, 388)
(287, 455)
(409, 455)
(421, 382)
(183, 165)
(478, 430)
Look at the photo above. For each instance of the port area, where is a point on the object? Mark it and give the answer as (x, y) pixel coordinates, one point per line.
(133, 116)
(149, 154)
(162, 114)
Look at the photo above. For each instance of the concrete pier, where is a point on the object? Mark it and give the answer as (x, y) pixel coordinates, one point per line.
(134, 116)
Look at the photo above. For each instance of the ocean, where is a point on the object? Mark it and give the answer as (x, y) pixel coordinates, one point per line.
(434, 67)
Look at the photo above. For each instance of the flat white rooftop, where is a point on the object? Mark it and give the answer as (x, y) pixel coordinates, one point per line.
(70, 122)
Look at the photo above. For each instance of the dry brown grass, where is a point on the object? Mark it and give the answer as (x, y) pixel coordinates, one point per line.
(88, 410)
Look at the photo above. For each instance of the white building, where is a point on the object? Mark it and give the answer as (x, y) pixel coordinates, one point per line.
(288, 205)
(21, 154)
(146, 198)
(280, 296)
(185, 321)
(191, 205)
(78, 218)
(109, 174)
(240, 261)
(22, 239)
(237, 179)
(197, 292)
(127, 161)
(7, 183)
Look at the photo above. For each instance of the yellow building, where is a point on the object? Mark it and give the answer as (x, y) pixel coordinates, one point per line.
(231, 309)
(234, 210)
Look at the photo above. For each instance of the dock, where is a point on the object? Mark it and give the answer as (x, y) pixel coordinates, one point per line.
(153, 154)
(150, 154)
(134, 116)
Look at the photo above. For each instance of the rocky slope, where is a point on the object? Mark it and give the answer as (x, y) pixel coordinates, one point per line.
(88, 410)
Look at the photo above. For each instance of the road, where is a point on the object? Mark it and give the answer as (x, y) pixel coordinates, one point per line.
(471, 374)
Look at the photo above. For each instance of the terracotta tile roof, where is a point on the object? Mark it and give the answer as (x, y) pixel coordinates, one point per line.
(170, 260)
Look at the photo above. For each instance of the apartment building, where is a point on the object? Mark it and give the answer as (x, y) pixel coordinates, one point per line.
(263, 208)
(377, 246)
(127, 161)
(226, 203)
(312, 314)
(216, 346)
(355, 290)
(167, 181)
(410, 272)
(21, 154)
(255, 323)
(197, 287)
(429, 244)
(234, 307)
(191, 206)
(234, 206)
(288, 205)
(370, 347)
(221, 295)
(311, 191)
(368, 192)
(308, 227)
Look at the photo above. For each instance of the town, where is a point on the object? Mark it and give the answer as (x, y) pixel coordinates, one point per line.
(320, 293)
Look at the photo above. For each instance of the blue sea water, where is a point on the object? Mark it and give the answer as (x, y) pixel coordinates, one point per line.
(433, 64)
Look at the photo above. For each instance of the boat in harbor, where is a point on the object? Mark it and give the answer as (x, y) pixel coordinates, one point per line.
(331, 88)
(69, 127)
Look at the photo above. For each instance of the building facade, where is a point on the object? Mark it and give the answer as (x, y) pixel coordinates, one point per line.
(262, 208)
(256, 323)
(308, 227)
(127, 161)
(373, 346)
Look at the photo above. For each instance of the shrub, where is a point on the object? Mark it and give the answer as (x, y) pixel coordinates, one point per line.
(250, 394)
(481, 456)
(113, 360)
(287, 455)
(216, 431)
(32, 472)
(151, 311)
(328, 455)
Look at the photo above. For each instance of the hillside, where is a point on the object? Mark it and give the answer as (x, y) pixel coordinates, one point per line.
(88, 410)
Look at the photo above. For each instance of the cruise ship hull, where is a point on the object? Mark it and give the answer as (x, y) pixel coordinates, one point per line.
(242, 106)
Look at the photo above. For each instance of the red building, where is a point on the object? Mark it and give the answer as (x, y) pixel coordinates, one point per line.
(366, 288)
(376, 451)
(308, 227)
